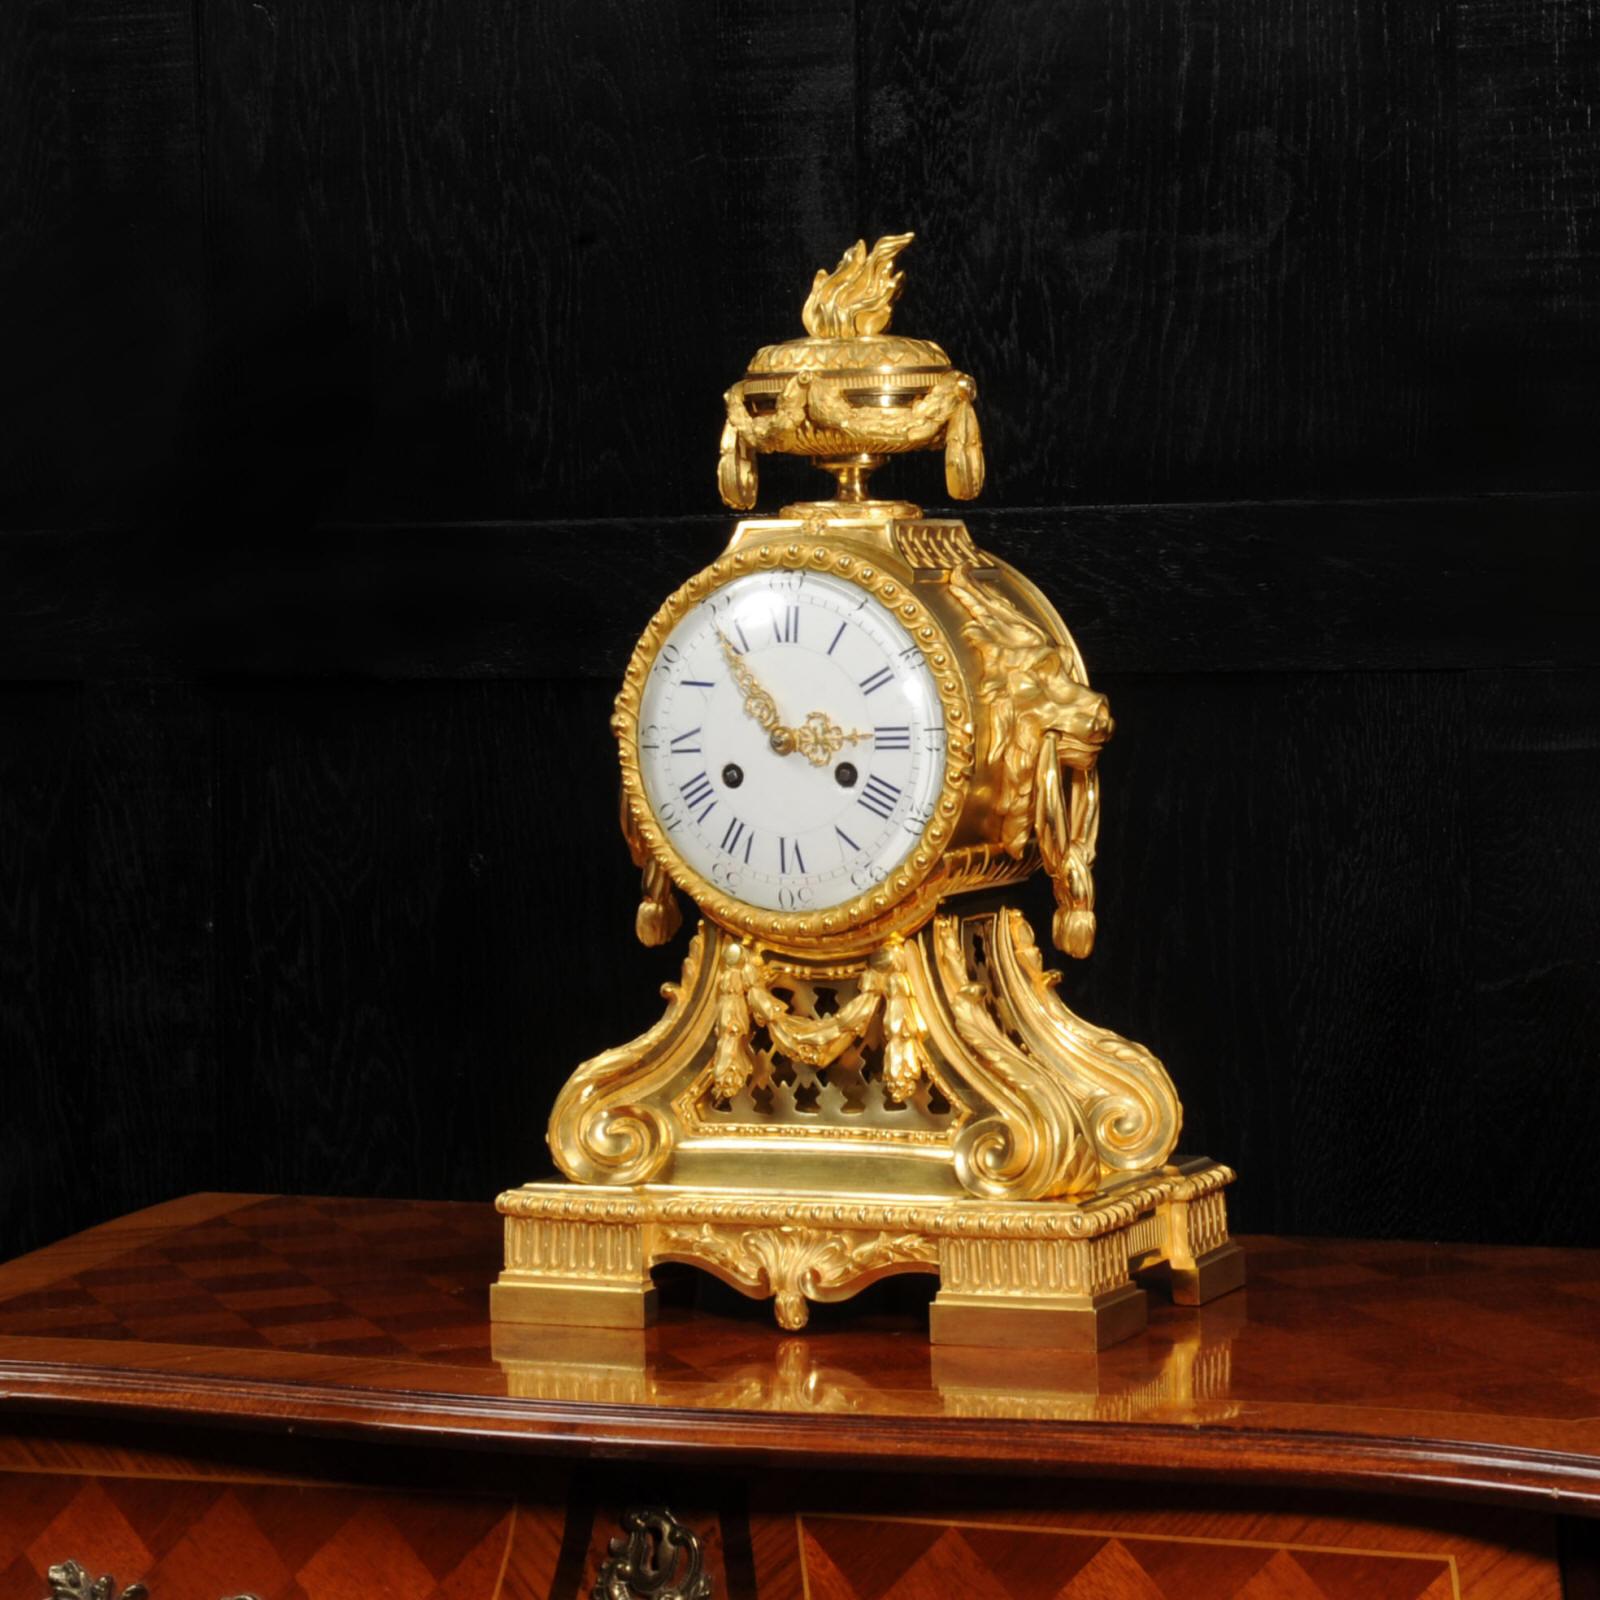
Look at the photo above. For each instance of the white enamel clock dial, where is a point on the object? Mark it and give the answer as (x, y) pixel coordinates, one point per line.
(825, 802)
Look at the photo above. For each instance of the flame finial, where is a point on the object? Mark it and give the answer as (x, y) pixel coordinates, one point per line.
(856, 299)
(851, 394)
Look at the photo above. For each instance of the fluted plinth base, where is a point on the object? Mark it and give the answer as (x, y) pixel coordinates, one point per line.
(1055, 1274)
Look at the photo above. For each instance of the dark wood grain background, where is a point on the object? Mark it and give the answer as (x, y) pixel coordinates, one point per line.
(362, 368)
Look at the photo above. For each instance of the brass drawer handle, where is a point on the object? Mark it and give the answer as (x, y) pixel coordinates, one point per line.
(644, 1564)
(70, 1582)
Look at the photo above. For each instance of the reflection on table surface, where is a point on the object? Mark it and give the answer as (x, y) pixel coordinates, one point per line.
(328, 1301)
(1180, 1366)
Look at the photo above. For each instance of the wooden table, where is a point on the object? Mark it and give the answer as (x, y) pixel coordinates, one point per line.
(302, 1397)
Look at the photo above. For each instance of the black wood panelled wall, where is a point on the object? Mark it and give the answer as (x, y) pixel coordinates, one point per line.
(362, 373)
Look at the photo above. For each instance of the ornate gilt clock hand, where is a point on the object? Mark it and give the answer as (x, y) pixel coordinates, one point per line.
(818, 738)
(759, 706)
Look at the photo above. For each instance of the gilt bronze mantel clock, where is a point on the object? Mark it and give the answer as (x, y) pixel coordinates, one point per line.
(833, 740)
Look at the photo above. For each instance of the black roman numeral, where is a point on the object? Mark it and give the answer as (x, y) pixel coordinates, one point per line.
(784, 852)
(744, 643)
(882, 676)
(878, 797)
(696, 683)
(736, 832)
(846, 837)
(679, 748)
(786, 625)
(891, 738)
(698, 794)
(837, 637)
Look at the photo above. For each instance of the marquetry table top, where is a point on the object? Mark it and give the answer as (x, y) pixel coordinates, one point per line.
(1450, 1369)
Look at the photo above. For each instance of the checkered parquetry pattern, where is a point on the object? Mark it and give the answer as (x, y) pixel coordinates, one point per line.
(847, 1559)
(201, 1540)
(335, 1277)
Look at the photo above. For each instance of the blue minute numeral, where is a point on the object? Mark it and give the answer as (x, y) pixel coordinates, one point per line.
(698, 795)
(735, 832)
(878, 797)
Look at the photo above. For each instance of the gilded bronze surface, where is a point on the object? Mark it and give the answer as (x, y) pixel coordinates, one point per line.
(851, 394)
(893, 1082)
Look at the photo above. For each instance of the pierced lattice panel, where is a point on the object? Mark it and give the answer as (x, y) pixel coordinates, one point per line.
(849, 1093)
(975, 944)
